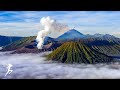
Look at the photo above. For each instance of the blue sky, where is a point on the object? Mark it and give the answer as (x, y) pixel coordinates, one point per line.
(26, 23)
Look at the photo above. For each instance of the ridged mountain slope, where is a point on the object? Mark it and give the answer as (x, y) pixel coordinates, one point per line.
(76, 52)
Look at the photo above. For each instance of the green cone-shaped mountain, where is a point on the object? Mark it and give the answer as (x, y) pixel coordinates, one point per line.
(76, 52)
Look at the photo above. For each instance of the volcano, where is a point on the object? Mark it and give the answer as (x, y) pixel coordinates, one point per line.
(76, 52)
(71, 35)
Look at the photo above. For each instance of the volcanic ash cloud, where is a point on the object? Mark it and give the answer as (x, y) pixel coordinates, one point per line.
(51, 27)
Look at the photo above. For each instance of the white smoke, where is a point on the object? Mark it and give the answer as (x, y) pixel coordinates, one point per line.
(33, 66)
(51, 27)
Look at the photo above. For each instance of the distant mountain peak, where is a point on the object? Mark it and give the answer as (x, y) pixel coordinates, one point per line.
(98, 35)
(74, 31)
(71, 34)
(108, 35)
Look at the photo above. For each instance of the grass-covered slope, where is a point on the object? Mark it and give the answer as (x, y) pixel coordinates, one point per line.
(109, 47)
(19, 44)
(111, 50)
(76, 52)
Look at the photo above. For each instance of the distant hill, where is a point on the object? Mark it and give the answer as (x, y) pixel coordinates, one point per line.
(29, 45)
(76, 52)
(19, 44)
(5, 40)
(71, 35)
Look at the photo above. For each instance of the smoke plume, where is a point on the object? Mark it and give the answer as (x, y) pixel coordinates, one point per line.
(51, 27)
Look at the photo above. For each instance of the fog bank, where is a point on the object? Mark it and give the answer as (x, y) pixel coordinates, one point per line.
(34, 66)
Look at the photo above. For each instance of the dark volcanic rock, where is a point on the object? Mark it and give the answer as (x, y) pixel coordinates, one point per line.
(31, 48)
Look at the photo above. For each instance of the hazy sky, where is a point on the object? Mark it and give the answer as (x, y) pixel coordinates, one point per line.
(26, 23)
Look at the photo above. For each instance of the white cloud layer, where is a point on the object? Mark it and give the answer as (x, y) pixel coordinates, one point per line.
(34, 66)
(116, 34)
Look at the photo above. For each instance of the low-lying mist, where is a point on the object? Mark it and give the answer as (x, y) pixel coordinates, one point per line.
(34, 66)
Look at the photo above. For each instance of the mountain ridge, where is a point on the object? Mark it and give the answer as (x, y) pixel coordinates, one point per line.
(77, 52)
(106, 45)
(5, 40)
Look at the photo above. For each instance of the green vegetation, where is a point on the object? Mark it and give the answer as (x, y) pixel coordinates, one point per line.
(76, 52)
(111, 50)
(108, 47)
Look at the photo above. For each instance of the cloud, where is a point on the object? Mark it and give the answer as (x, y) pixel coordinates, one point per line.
(117, 33)
(19, 29)
(100, 21)
(34, 66)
